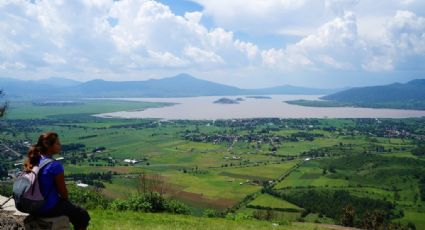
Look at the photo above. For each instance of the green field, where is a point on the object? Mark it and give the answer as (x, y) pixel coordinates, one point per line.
(231, 164)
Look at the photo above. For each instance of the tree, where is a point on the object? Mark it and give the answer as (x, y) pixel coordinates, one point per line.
(3, 106)
(374, 220)
(348, 215)
(152, 183)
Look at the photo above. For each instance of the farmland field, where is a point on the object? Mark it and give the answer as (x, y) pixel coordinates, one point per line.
(256, 167)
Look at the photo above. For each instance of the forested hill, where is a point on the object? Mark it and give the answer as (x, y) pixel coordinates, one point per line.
(410, 95)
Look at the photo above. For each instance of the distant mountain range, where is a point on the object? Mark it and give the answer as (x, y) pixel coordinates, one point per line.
(182, 85)
(410, 95)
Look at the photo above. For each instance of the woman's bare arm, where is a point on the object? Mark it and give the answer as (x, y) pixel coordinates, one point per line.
(60, 186)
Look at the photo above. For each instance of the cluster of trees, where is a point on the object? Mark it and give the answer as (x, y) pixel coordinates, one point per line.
(73, 147)
(92, 178)
(305, 135)
(3, 170)
(263, 136)
(419, 150)
(340, 204)
(264, 214)
(142, 124)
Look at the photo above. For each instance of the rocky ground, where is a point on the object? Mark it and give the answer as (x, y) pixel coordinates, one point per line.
(10, 222)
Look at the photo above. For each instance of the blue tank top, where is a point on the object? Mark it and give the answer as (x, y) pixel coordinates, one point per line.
(47, 183)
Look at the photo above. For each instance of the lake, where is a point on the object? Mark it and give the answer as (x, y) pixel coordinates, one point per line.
(203, 108)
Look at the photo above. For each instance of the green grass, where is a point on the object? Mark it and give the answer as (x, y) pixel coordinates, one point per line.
(415, 217)
(101, 219)
(268, 201)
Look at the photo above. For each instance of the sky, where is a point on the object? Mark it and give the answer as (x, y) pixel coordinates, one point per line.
(244, 43)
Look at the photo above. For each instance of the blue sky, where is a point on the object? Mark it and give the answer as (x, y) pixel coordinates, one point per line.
(246, 43)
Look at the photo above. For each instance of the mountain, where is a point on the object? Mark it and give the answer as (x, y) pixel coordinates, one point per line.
(410, 95)
(59, 81)
(26, 90)
(182, 85)
(289, 89)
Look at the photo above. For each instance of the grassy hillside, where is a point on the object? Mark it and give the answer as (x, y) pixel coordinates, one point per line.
(132, 220)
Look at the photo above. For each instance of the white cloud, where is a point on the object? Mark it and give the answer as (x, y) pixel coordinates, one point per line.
(53, 59)
(402, 45)
(378, 64)
(115, 35)
(129, 37)
(406, 32)
(339, 6)
(194, 17)
(198, 55)
(12, 65)
(334, 45)
(250, 49)
(258, 16)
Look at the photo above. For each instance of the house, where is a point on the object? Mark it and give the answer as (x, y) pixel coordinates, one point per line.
(82, 185)
(132, 161)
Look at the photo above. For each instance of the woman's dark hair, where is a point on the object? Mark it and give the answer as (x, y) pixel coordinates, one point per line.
(45, 141)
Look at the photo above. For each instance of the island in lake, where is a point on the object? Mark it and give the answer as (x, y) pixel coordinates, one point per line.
(225, 100)
(259, 97)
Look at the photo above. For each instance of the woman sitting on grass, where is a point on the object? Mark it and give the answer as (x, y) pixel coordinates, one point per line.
(52, 182)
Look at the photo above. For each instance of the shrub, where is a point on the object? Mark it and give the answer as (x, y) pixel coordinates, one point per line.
(139, 203)
(87, 197)
(149, 202)
(6, 189)
(209, 213)
(119, 205)
(156, 200)
(237, 216)
(177, 207)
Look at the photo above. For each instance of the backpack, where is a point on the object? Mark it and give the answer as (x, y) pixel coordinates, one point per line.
(26, 190)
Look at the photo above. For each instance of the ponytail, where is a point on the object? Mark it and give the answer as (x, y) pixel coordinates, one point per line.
(34, 156)
(34, 153)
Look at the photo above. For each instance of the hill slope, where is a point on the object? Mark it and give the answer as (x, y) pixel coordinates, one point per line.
(410, 95)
